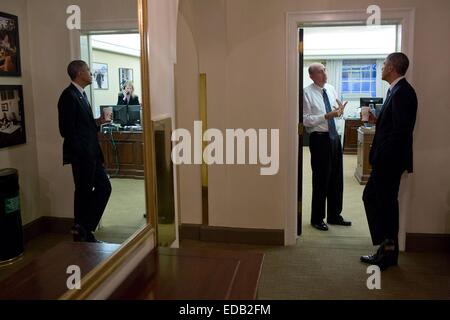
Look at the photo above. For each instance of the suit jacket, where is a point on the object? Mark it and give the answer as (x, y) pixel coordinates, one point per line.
(392, 147)
(78, 128)
(134, 100)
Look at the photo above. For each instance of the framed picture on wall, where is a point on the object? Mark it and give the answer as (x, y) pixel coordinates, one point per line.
(125, 74)
(12, 118)
(100, 76)
(9, 46)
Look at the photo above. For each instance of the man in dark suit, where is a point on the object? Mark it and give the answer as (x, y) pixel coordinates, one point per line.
(390, 156)
(82, 150)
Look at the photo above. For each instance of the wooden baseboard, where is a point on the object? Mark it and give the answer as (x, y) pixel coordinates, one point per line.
(232, 235)
(33, 229)
(424, 242)
(46, 225)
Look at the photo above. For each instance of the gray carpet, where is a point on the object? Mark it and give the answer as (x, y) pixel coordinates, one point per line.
(325, 265)
(124, 214)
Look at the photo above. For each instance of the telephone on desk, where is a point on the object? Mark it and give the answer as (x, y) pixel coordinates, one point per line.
(109, 128)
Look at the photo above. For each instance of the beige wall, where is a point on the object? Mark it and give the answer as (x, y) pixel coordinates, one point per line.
(23, 157)
(241, 47)
(51, 52)
(162, 31)
(187, 111)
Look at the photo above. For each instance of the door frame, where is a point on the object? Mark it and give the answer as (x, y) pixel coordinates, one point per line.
(405, 17)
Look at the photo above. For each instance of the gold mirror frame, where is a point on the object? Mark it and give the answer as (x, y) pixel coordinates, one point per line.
(99, 274)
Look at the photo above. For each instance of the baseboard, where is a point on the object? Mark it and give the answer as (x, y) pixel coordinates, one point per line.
(46, 225)
(425, 242)
(33, 229)
(231, 235)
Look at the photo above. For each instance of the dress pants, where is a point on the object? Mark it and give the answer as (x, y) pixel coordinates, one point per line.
(92, 191)
(327, 176)
(381, 203)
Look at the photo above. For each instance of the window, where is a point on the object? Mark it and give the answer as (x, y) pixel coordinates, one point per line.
(359, 77)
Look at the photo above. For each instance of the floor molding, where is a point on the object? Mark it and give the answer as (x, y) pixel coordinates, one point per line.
(231, 235)
(427, 242)
(46, 225)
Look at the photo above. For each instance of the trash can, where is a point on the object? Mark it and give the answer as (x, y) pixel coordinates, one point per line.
(11, 240)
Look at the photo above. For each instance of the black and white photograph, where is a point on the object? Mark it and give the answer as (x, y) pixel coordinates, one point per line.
(9, 45)
(100, 76)
(12, 122)
(125, 74)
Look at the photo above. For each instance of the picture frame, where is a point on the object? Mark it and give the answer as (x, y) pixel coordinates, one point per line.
(12, 117)
(125, 74)
(100, 76)
(10, 64)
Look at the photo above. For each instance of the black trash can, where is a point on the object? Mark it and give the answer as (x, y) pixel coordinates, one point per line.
(11, 239)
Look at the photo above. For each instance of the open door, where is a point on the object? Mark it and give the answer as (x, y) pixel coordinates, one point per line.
(300, 133)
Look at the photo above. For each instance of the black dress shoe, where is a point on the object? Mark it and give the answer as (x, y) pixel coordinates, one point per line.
(339, 222)
(383, 259)
(79, 233)
(91, 238)
(322, 226)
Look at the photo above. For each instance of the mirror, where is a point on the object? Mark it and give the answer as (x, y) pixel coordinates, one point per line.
(165, 199)
(100, 32)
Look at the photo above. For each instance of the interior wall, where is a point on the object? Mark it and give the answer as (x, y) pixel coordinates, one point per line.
(162, 32)
(114, 62)
(23, 157)
(241, 47)
(50, 54)
(187, 111)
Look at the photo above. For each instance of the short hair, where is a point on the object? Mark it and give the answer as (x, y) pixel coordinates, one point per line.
(313, 67)
(75, 67)
(399, 61)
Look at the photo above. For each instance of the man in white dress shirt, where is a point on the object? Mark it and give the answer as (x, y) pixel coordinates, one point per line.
(320, 108)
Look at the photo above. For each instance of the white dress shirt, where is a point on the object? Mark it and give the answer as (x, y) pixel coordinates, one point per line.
(394, 83)
(314, 108)
(78, 87)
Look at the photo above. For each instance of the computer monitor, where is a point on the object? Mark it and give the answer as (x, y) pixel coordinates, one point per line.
(370, 102)
(120, 115)
(375, 104)
(124, 115)
(134, 115)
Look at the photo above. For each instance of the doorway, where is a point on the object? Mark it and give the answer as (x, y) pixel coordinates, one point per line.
(403, 18)
(353, 57)
(115, 62)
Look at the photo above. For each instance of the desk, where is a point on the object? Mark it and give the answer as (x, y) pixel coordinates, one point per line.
(124, 153)
(363, 168)
(351, 135)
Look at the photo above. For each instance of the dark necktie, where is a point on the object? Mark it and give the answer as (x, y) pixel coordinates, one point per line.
(331, 124)
(87, 103)
(388, 94)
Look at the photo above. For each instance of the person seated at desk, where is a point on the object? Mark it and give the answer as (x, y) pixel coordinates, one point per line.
(127, 97)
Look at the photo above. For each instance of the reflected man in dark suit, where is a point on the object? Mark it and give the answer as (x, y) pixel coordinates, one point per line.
(390, 156)
(81, 149)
